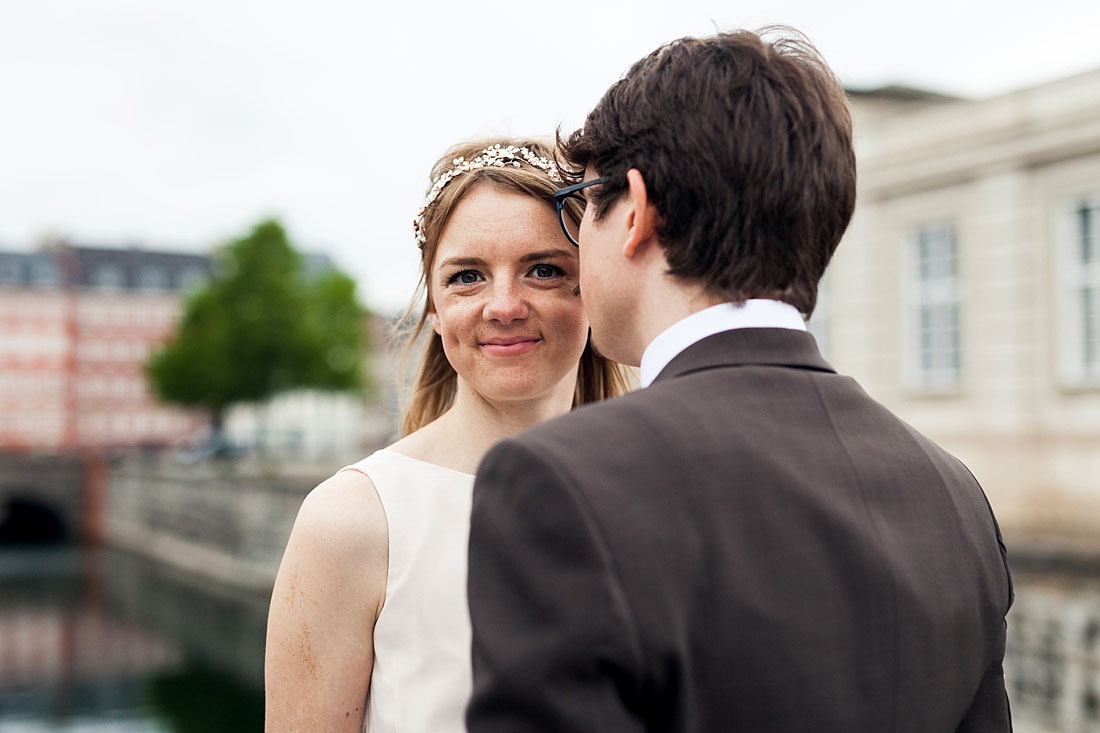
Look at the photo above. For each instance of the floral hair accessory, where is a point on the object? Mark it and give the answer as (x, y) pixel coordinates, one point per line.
(494, 156)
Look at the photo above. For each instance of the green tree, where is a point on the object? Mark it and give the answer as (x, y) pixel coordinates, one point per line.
(334, 321)
(261, 326)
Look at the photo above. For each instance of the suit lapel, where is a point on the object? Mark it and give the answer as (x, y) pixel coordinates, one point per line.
(779, 347)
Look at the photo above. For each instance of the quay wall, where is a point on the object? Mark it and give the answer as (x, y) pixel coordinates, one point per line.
(227, 521)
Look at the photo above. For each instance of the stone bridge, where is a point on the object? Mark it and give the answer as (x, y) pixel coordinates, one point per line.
(49, 497)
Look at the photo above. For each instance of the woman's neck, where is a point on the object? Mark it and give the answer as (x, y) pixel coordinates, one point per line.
(461, 437)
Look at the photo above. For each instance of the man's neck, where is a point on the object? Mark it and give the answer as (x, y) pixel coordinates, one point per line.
(666, 305)
(755, 313)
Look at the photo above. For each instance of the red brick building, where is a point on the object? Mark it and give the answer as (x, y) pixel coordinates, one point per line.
(76, 327)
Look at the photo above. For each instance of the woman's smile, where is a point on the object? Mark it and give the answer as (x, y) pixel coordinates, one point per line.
(510, 346)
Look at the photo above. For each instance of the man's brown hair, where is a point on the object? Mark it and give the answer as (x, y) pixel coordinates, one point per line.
(745, 143)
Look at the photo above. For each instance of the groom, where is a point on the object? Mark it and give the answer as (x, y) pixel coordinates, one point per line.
(749, 542)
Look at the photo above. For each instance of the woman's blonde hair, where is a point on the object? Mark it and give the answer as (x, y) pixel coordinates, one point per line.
(435, 383)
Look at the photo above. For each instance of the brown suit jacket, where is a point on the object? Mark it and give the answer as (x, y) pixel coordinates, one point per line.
(750, 544)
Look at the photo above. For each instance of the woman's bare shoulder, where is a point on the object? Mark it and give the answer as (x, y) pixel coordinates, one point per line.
(343, 515)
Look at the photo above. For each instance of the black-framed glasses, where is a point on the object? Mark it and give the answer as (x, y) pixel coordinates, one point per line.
(572, 192)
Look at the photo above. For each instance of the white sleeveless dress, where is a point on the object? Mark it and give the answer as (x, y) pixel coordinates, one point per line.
(422, 678)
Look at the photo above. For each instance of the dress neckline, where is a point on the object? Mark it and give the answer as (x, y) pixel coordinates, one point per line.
(425, 463)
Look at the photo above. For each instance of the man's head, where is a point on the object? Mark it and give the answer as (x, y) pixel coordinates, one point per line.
(743, 143)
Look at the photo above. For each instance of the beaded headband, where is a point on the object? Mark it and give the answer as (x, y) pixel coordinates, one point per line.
(494, 156)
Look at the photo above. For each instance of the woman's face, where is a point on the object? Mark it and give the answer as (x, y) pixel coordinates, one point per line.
(504, 297)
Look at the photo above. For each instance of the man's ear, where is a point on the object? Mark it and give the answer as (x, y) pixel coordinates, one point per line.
(641, 219)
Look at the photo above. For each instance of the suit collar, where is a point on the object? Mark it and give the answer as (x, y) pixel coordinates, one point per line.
(752, 313)
(780, 347)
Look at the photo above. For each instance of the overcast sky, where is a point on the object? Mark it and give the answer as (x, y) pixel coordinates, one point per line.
(177, 124)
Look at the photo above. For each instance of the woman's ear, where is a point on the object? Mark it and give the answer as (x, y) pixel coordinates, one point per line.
(433, 316)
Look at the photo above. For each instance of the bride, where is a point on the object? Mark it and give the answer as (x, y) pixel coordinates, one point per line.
(369, 627)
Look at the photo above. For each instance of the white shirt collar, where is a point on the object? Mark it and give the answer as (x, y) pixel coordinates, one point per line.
(679, 336)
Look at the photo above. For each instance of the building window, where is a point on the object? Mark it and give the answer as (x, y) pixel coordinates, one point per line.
(44, 272)
(108, 277)
(153, 277)
(10, 271)
(936, 359)
(1083, 293)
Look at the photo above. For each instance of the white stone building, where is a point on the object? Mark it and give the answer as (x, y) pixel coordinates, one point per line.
(966, 294)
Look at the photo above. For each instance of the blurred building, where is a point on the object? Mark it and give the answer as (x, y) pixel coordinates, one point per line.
(76, 327)
(966, 294)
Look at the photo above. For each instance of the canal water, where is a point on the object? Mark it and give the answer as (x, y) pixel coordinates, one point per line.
(105, 641)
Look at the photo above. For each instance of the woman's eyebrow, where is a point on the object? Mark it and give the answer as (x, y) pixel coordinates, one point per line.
(462, 262)
(546, 254)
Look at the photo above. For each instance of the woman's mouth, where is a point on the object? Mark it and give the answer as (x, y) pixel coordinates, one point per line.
(512, 346)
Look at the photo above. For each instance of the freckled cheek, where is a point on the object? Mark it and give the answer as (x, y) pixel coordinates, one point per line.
(568, 320)
(456, 326)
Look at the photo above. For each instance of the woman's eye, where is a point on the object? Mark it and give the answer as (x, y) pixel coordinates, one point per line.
(547, 271)
(466, 277)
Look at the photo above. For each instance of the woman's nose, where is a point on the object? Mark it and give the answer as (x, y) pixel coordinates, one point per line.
(506, 303)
